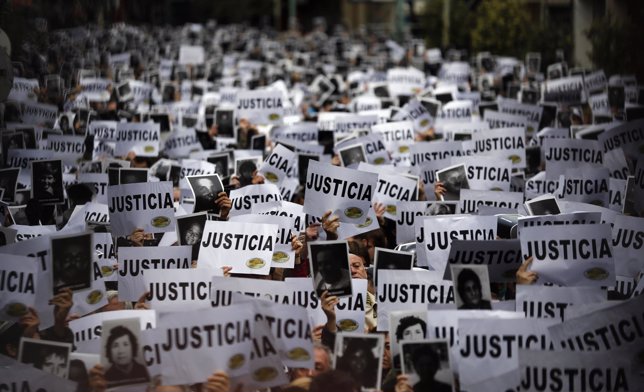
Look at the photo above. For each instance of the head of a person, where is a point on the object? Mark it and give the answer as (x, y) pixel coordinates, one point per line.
(121, 347)
(356, 263)
(329, 266)
(369, 241)
(358, 357)
(411, 328)
(322, 357)
(48, 178)
(426, 362)
(73, 262)
(469, 287)
(205, 188)
(193, 234)
(52, 362)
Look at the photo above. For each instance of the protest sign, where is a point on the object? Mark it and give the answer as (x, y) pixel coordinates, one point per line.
(561, 154)
(396, 135)
(586, 185)
(191, 55)
(220, 338)
(410, 290)
(348, 123)
(404, 81)
(358, 354)
(574, 218)
(505, 143)
(71, 260)
(471, 200)
(628, 136)
(437, 150)
(486, 173)
(555, 302)
(283, 255)
(628, 236)
(98, 182)
(141, 138)
(436, 233)
(393, 188)
(375, 151)
(456, 111)
(568, 371)
(181, 144)
(148, 206)
(255, 199)
(246, 247)
(19, 280)
(133, 261)
(489, 347)
(616, 194)
(278, 166)
(564, 90)
(574, 255)
(39, 113)
(96, 89)
(90, 327)
(120, 336)
(183, 289)
(260, 106)
(345, 192)
(24, 232)
(418, 114)
(502, 257)
(16, 376)
(350, 311)
(22, 89)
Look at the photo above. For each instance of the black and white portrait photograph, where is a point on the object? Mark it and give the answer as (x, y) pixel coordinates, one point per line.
(258, 142)
(113, 175)
(8, 180)
(360, 355)
(6, 218)
(388, 259)
(29, 136)
(543, 206)
(303, 165)
(453, 179)
(46, 355)
(351, 156)
(427, 366)
(47, 182)
(245, 169)
(330, 267)
(225, 123)
(406, 325)
(190, 230)
(221, 163)
(72, 261)
(441, 208)
(471, 287)
(132, 176)
(205, 189)
(121, 353)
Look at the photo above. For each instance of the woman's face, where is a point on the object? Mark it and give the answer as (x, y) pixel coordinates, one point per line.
(413, 332)
(121, 350)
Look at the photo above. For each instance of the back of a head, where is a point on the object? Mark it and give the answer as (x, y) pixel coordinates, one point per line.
(334, 380)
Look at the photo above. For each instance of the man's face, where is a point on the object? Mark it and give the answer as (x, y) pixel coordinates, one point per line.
(54, 364)
(357, 267)
(47, 182)
(471, 293)
(322, 362)
(329, 270)
(205, 188)
(193, 234)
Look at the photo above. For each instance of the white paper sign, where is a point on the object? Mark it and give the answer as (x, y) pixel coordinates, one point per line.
(345, 192)
(555, 302)
(410, 290)
(628, 238)
(133, 261)
(260, 107)
(191, 55)
(90, 327)
(255, 199)
(279, 165)
(218, 339)
(180, 290)
(471, 200)
(142, 138)
(148, 206)
(561, 154)
(574, 255)
(405, 81)
(246, 247)
(505, 143)
(19, 278)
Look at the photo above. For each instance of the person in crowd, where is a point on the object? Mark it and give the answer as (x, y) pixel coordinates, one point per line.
(121, 349)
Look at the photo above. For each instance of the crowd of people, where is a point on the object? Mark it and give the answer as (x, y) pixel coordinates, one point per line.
(318, 75)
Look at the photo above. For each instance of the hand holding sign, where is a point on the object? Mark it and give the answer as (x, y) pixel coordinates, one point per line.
(524, 276)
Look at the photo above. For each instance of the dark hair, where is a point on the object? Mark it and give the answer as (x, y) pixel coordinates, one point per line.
(333, 380)
(117, 332)
(425, 351)
(464, 276)
(407, 322)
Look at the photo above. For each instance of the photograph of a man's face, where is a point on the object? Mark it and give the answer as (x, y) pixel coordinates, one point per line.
(190, 230)
(132, 176)
(454, 179)
(471, 287)
(351, 156)
(427, 365)
(48, 356)
(206, 190)
(72, 261)
(47, 182)
(330, 267)
(360, 356)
